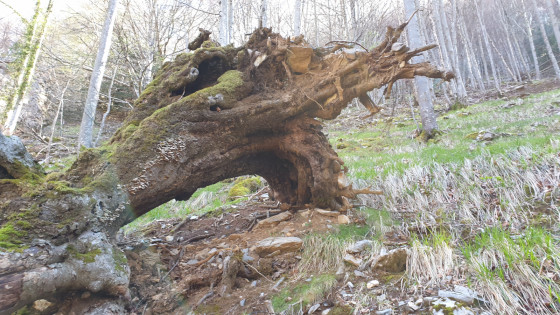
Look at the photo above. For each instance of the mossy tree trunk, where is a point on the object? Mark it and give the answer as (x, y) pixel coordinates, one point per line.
(214, 114)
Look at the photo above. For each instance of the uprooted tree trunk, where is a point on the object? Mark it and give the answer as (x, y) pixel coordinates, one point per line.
(214, 114)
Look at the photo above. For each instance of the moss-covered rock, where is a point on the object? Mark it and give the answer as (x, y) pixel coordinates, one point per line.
(244, 186)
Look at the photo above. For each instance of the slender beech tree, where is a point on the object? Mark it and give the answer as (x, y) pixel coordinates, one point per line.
(33, 42)
(545, 39)
(297, 18)
(421, 85)
(88, 117)
(554, 21)
(223, 22)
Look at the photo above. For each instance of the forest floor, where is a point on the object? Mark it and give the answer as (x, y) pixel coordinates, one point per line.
(468, 224)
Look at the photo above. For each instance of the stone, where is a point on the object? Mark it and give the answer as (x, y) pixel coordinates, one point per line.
(169, 238)
(359, 247)
(192, 262)
(313, 308)
(343, 219)
(385, 312)
(460, 294)
(41, 305)
(282, 244)
(350, 259)
(372, 284)
(327, 213)
(242, 303)
(274, 220)
(360, 274)
(246, 257)
(392, 261)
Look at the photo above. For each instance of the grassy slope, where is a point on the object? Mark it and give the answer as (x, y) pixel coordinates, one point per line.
(491, 206)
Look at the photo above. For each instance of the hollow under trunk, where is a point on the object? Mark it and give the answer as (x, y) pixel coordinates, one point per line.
(213, 114)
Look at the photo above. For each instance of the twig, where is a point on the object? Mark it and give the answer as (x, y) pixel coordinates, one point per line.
(175, 265)
(206, 296)
(346, 42)
(321, 106)
(248, 265)
(411, 16)
(199, 237)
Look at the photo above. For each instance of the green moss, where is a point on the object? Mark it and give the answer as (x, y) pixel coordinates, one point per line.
(87, 257)
(120, 260)
(10, 236)
(244, 186)
(228, 85)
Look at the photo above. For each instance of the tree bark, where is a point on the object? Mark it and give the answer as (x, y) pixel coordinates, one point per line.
(28, 69)
(554, 21)
(421, 84)
(297, 18)
(546, 41)
(488, 48)
(213, 114)
(88, 117)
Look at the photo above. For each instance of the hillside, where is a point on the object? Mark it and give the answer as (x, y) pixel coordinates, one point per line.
(466, 223)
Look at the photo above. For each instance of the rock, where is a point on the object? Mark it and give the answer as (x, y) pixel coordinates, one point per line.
(360, 274)
(169, 238)
(282, 244)
(359, 246)
(372, 284)
(398, 47)
(343, 219)
(242, 303)
(327, 213)
(273, 221)
(192, 262)
(348, 258)
(393, 261)
(385, 312)
(313, 308)
(246, 257)
(325, 312)
(460, 294)
(41, 305)
(413, 306)
(445, 303)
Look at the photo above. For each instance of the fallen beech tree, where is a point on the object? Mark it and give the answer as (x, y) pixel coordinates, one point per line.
(213, 114)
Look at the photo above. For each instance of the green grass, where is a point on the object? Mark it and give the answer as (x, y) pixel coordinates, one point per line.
(303, 294)
(388, 147)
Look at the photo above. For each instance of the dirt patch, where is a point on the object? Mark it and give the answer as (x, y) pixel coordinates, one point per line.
(209, 263)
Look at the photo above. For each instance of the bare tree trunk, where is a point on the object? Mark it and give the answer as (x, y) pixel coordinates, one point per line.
(262, 18)
(444, 53)
(344, 18)
(554, 21)
(109, 103)
(462, 92)
(528, 19)
(223, 22)
(421, 85)
(28, 71)
(230, 21)
(488, 48)
(88, 117)
(546, 41)
(316, 20)
(354, 21)
(471, 56)
(58, 110)
(297, 17)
